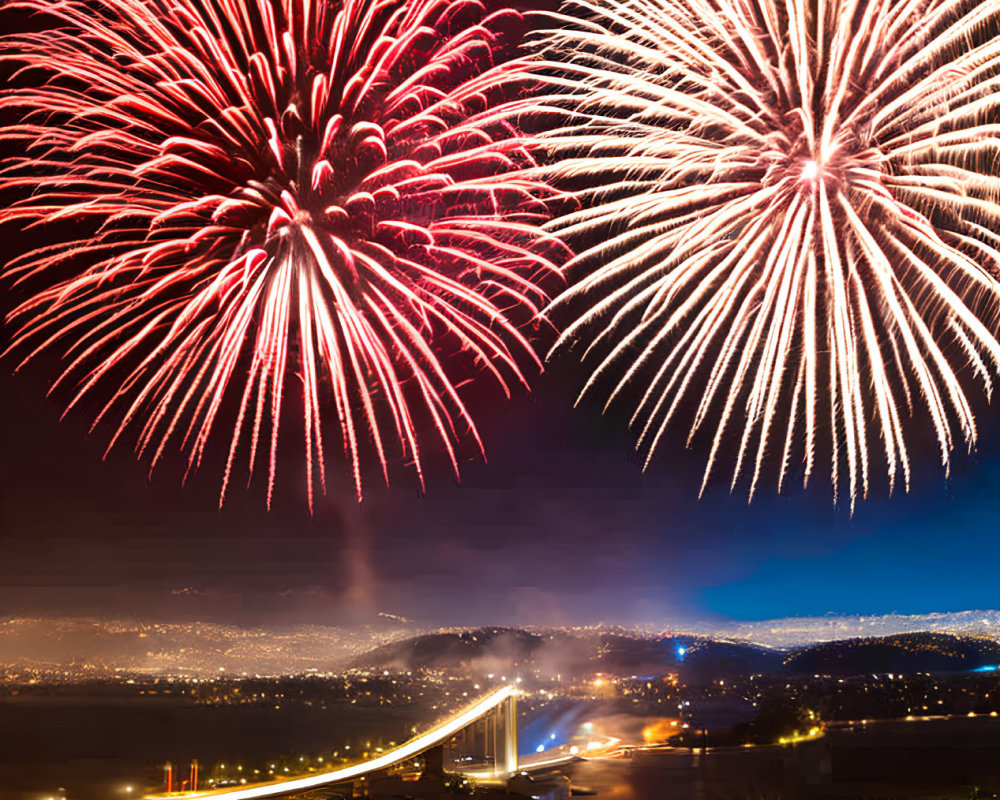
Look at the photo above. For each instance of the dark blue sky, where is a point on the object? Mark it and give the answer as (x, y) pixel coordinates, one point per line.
(560, 526)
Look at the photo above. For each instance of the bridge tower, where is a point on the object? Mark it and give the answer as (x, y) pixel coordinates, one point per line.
(486, 747)
(505, 738)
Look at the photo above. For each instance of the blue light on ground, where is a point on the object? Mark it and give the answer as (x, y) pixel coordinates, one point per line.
(552, 728)
(987, 668)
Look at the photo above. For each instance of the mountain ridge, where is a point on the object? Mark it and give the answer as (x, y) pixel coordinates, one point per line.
(50, 644)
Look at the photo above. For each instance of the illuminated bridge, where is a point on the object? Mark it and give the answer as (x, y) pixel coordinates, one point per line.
(480, 741)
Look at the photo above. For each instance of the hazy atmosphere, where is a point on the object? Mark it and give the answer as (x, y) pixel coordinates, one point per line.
(560, 526)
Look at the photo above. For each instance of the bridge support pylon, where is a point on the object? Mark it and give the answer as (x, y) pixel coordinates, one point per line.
(505, 738)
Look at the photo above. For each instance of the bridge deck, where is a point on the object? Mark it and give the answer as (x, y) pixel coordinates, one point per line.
(414, 747)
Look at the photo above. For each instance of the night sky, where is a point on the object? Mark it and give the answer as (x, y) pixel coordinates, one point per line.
(560, 526)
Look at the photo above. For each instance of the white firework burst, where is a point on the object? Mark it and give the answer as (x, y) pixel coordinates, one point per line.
(789, 226)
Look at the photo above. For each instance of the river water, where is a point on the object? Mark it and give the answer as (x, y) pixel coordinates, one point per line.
(94, 748)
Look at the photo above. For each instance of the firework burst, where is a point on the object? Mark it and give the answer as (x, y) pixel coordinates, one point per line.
(797, 216)
(304, 189)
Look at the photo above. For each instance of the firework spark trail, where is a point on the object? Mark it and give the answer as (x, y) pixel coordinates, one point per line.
(796, 205)
(308, 187)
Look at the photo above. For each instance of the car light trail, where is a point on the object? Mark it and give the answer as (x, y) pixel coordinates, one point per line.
(408, 750)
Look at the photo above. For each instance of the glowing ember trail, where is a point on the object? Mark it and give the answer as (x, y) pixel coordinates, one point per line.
(791, 234)
(305, 190)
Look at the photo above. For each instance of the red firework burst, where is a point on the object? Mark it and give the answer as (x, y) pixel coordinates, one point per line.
(311, 187)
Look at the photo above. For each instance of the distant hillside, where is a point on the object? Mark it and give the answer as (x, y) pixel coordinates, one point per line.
(574, 655)
(93, 646)
(904, 652)
(89, 646)
(793, 632)
(480, 649)
(695, 658)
